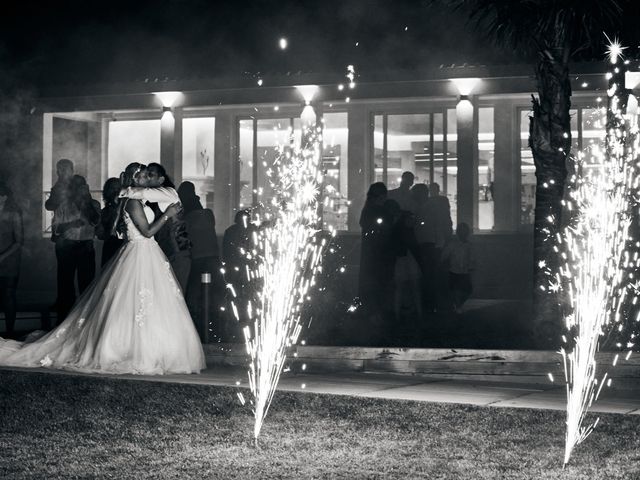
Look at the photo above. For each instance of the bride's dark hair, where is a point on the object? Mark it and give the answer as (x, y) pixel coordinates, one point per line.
(127, 179)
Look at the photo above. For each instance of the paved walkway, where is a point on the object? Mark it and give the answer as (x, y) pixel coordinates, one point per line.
(404, 387)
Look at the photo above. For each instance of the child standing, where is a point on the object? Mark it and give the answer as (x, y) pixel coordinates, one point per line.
(459, 254)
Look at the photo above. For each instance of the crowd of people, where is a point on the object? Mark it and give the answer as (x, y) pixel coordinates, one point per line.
(411, 263)
(188, 240)
(142, 312)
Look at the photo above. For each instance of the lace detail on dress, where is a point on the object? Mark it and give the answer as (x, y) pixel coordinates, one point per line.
(146, 301)
(176, 289)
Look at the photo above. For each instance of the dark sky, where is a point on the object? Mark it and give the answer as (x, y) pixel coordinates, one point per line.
(62, 42)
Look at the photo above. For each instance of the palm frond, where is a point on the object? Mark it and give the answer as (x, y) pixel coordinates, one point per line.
(532, 26)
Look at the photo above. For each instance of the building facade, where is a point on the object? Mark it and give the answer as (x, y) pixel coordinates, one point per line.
(469, 136)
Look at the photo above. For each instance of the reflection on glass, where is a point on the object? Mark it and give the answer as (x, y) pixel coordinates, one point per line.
(132, 141)
(417, 143)
(407, 147)
(245, 161)
(486, 172)
(198, 141)
(378, 149)
(335, 163)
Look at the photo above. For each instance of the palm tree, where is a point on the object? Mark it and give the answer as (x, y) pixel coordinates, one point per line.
(552, 33)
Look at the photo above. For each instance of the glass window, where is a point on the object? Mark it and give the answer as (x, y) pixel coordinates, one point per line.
(132, 141)
(407, 142)
(451, 186)
(198, 141)
(486, 172)
(245, 161)
(335, 163)
(379, 149)
(420, 143)
(439, 142)
(527, 173)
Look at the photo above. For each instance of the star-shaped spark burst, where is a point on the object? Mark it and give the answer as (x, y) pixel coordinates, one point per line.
(614, 49)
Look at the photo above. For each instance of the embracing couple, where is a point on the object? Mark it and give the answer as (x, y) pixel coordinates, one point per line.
(133, 317)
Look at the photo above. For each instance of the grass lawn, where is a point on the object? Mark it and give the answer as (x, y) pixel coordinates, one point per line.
(63, 426)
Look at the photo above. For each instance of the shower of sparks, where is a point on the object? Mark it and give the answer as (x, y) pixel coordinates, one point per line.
(595, 253)
(286, 257)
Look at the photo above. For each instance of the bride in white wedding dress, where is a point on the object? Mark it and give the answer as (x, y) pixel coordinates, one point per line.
(131, 319)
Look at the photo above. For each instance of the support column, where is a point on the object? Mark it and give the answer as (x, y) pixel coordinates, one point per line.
(225, 181)
(171, 143)
(360, 163)
(467, 127)
(507, 196)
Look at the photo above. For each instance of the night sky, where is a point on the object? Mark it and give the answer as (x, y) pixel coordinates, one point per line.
(74, 42)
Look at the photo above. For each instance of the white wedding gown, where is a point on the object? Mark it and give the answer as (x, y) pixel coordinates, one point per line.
(131, 319)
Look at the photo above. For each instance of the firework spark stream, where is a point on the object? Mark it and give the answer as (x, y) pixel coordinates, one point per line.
(595, 252)
(285, 258)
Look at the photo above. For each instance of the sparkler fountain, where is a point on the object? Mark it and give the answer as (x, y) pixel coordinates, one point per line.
(596, 254)
(286, 256)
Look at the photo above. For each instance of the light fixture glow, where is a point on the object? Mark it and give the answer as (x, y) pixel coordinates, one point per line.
(307, 92)
(168, 99)
(465, 85)
(283, 43)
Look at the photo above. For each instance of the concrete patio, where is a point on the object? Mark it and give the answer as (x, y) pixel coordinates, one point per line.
(405, 387)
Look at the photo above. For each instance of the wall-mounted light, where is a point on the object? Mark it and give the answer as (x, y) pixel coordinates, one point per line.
(465, 85)
(168, 100)
(308, 115)
(307, 92)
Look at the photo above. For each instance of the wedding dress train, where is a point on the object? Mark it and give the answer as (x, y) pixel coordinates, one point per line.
(131, 319)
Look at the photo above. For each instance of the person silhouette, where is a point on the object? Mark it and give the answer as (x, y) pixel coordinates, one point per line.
(111, 243)
(73, 230)
(205, 256)
(11, 240)
(402, 194)
(458, 253)
(377, 258)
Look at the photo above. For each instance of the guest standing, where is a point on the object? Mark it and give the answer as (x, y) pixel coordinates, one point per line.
(377, 258)
(172, 237)
(205, 256)
(236, 239)
(402, 194)
(11, 240)
(459, 255)
(108, 217)
(433, 230)
(74, 229)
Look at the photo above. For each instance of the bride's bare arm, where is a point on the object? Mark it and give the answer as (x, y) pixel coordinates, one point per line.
(158, 194)
(136, 212)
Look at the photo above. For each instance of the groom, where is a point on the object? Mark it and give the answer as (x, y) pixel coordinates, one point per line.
(156, 189)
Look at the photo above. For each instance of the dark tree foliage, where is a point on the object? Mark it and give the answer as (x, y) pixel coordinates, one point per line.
(551, 34)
